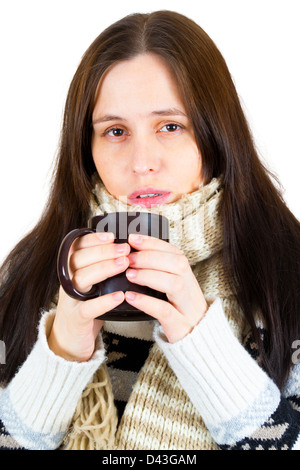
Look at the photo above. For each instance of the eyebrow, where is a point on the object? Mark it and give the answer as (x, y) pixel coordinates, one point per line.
(169, 112)
(161, 112)
(107, 117)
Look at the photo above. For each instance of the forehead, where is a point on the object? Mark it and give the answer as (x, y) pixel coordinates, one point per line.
(138, 85)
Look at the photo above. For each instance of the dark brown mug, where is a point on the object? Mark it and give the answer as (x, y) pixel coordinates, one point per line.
(121, 224)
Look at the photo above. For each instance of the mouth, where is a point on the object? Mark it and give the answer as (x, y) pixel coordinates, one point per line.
(148, 197)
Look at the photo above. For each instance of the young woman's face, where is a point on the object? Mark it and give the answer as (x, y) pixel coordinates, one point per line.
(143, 142)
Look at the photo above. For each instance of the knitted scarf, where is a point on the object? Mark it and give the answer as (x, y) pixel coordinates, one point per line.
(159, 414)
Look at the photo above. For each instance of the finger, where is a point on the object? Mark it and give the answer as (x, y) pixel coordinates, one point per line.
(85, 278)
(93, 239)
(161, 261)
(145, 242)
(94, 254)
(175, 325)
(157, 308)
(91, 309)
(184, 296)
(158, 280)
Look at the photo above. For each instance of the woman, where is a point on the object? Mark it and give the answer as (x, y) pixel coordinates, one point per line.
(153, 119)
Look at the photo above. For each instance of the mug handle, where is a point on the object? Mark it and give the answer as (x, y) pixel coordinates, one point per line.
(63, 270)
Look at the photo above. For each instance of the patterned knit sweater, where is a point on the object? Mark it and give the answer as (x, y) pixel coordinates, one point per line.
(206, 391)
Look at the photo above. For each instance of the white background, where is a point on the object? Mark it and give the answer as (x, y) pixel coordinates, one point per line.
(41, 44)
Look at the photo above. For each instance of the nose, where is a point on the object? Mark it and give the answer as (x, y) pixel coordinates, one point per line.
(145, 157)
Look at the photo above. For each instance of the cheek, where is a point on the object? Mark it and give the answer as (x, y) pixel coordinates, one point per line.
(109, 170)
(105, 169)
(101, 163)
(196, 174)
(189, 163)
(100, 156)
(195, 160)
(107, 176)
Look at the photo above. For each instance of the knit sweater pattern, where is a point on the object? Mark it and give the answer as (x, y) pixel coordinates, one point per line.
(204, 392)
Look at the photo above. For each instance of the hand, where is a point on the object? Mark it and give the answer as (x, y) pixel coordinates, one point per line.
(162, 266)
(93, 258)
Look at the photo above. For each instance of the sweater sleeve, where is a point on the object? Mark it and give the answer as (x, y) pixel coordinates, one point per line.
(239, 403)
(38, 404)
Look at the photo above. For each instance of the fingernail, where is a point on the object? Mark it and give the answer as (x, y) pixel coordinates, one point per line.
(130, 295)
(120, 261)
(120, 248)
(135, 238)
(117, 296)
(131, 273)
(105, 236)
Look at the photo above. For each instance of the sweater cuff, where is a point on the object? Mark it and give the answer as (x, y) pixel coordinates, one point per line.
(38, 404)
(231, 392)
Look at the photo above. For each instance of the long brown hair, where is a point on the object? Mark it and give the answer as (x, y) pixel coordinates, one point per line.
(261, 236)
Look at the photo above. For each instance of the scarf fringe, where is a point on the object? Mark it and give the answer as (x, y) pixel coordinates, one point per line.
(95, 406)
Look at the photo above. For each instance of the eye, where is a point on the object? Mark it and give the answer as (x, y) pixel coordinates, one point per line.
(171, 127)
(115, 132)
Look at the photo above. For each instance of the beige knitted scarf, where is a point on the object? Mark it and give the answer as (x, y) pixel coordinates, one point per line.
(159, 414)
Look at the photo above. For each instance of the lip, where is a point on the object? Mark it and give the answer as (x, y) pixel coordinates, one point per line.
(149, 201)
